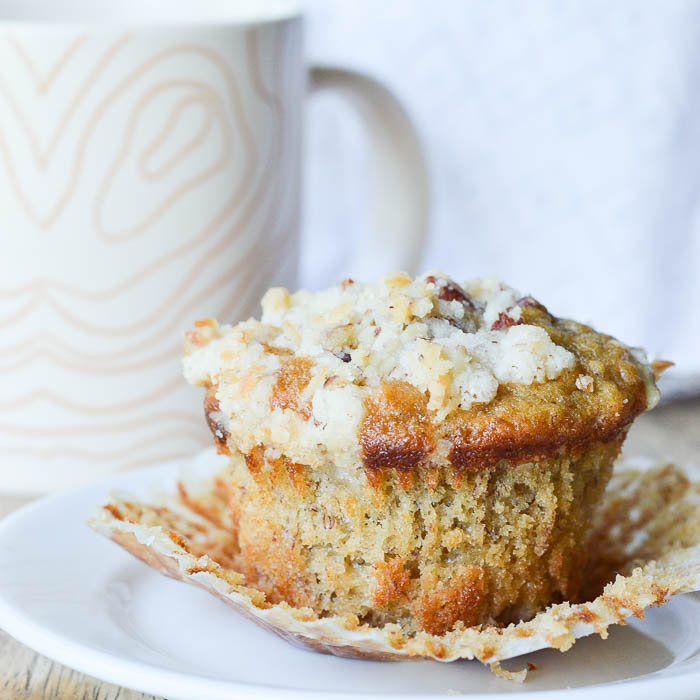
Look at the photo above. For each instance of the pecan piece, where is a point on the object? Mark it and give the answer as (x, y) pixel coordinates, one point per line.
(329, 380)
(504, 321)
(531, 301)
(451, 291)
(447, 290)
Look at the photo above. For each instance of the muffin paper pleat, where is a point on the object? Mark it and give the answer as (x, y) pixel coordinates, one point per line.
(644, 548)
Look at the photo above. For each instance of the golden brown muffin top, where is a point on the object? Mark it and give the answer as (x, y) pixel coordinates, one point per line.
(593, 401)
(414, 373)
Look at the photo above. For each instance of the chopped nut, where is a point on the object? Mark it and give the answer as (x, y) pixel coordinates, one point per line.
(504, 321)
(276, 298)
(250, 379)
(532, 302)
(194, 340)
(584, 383)
(291, 332)
(455, 305)
(273, 350)
(451, 291)
(329, 380)
(205, 330)
(397, 280)
(339, 337)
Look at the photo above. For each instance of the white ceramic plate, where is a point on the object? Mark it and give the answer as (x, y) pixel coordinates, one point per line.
(81, 600)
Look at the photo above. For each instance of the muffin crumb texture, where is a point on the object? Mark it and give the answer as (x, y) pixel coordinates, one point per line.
(490, 546)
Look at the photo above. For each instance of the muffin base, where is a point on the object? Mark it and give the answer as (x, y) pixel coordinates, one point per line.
(426, 549)
(646, 537)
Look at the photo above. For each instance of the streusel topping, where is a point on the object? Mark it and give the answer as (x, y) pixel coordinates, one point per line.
(314, 358)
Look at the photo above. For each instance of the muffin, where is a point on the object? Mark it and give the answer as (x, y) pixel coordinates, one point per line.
(415, 451)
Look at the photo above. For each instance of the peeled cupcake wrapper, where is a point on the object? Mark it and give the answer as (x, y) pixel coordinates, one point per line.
(644, 548)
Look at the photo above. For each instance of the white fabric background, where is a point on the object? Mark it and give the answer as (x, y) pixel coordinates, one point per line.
(563, 146)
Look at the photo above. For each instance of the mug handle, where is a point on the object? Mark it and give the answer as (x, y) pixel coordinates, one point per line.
(398, 181)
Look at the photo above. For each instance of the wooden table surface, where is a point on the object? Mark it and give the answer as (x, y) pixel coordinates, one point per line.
(671, 431)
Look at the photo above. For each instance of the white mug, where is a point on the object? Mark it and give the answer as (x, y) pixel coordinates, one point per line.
(150, 173)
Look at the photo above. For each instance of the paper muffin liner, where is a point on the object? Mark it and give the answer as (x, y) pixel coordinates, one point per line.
(644, 548)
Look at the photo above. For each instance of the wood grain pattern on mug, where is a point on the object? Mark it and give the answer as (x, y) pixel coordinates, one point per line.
(164, 187)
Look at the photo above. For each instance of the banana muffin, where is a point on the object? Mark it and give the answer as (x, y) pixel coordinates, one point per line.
(415, 451)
